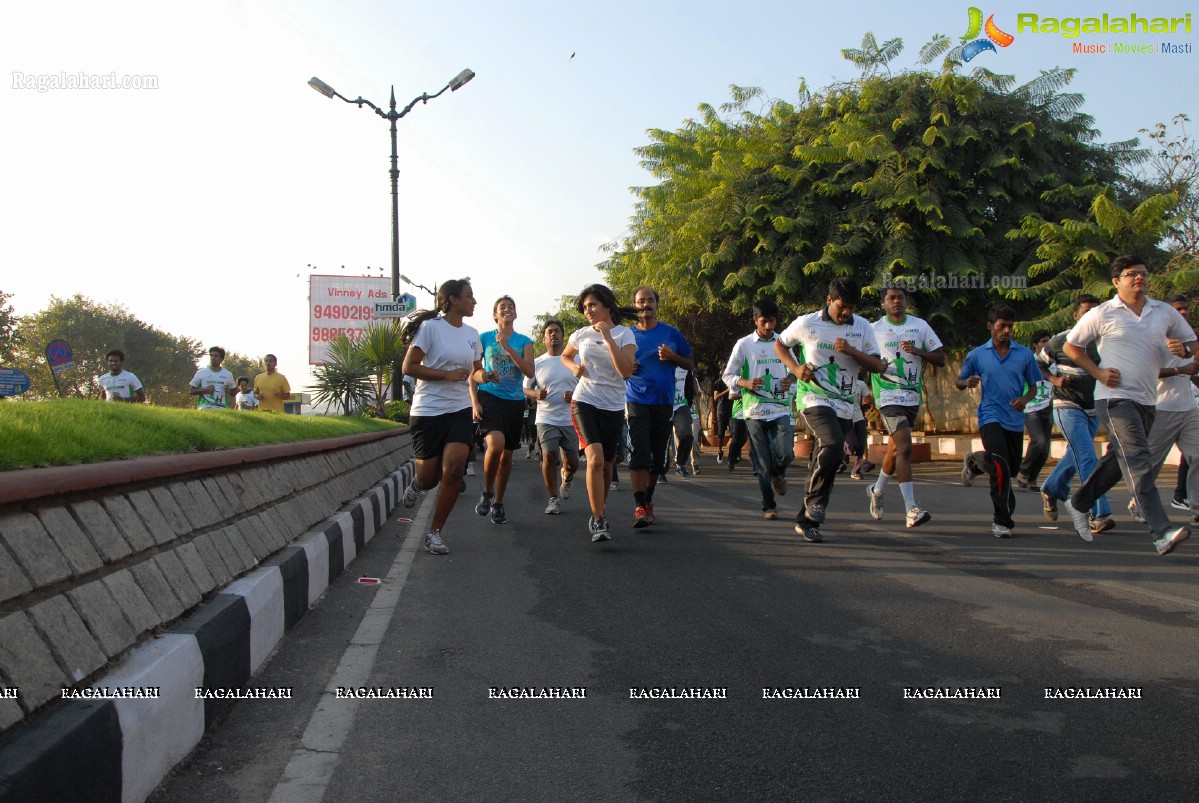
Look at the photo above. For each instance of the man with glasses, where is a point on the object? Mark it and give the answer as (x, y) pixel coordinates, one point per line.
(1136, 336)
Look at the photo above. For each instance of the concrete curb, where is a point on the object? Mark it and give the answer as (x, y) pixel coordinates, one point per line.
(121, 749)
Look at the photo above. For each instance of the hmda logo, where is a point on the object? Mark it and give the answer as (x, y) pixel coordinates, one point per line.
(994, 35)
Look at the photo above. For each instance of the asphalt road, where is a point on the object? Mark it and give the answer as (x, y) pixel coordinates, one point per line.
(714, 598)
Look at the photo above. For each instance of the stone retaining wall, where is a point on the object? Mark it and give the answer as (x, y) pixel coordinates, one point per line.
(96, 559)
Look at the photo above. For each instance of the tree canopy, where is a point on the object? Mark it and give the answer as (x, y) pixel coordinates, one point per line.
(969, 188)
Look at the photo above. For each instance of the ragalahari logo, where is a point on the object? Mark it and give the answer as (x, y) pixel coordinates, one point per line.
(994, 36)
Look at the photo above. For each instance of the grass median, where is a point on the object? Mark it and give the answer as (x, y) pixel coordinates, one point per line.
(63, 432)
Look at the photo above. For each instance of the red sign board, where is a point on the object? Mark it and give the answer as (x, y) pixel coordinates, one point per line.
(58, 354)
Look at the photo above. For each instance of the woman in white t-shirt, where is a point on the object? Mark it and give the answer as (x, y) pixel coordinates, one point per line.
(607, 355)
(443, 355)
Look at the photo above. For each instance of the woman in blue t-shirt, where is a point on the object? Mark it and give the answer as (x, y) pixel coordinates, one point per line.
(499, 404)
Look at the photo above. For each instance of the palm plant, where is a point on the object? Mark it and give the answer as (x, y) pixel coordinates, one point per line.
(382, 349)
(344, 380)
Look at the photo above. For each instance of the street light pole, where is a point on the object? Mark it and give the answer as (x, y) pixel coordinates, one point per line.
(457, 82)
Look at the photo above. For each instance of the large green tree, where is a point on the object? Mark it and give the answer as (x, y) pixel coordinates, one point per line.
(927, 174)
(165, 363)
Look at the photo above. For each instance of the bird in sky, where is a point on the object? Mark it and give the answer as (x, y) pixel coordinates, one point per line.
(572, 55)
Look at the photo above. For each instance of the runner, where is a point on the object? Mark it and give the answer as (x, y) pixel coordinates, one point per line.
(683, 421)
(834, 345)
(606, 352)
(1009, 375)
(552, 386)
(1135, 334)
(649, 394)
(1074, 414)
(443, 355)
(908, 343)
(500, 404)
(1038, 423)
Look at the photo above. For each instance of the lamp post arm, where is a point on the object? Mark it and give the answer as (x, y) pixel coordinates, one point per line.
(424, 97)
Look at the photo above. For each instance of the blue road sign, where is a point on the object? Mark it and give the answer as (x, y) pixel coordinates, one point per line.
(13, 382)
(58, 354)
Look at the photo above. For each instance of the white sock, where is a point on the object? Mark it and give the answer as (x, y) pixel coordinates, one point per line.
(881, 483)
(909, 494)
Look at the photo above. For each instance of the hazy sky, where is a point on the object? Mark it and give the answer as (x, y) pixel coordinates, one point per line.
(201, 205)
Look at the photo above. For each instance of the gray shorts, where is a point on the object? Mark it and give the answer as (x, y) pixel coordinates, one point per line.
(554, 438)
(896, 417)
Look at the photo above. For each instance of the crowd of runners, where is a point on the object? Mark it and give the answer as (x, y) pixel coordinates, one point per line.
(607, 389)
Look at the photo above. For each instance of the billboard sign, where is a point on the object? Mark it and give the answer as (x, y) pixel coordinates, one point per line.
(13, 382)
(341, 305)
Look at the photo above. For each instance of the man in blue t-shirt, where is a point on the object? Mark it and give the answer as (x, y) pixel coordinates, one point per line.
(649, 399)
(1009, 375)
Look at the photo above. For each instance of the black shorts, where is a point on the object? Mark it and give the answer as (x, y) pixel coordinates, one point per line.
(649, 430)
(594, 425)
(503, 415)
(431, 433)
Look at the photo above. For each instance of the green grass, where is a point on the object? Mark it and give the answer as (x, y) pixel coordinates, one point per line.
(64, 432)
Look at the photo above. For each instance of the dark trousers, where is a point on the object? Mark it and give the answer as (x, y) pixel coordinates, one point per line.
(1128, 423)
(829, 452)
(856, 439)
(1039, 426)
(1180, 487)
(1001, 451)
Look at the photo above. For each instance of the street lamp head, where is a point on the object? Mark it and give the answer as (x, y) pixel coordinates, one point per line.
(322, 87)
(460, 80)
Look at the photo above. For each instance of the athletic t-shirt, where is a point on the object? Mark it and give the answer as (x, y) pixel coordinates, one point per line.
(754, 357)
(121, 386)
(446, 347)
(246, 401)
(859, 390)
(1003, 379)
(903, 382)
(601, 386)
(654, 381)
(496, 359)
(267, 384)
(1079, 391)
(551, 374)
(222, 383)
(832, 383)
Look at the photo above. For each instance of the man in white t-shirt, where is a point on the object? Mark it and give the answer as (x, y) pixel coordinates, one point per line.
(552, 386)
(1136, 335)
(907, 343)
(212, 383)
(834, 345)
(119, 385)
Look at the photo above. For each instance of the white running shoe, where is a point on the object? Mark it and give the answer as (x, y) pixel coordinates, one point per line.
(553, 508)
(999, 531)
(876, 503)
(1171, 539)
(568, 484)
(1082, 522)
(412, 494)
(434, 545)
(916, 516)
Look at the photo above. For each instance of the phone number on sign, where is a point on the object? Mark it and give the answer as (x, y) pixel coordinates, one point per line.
(343, 312)
(325, 334)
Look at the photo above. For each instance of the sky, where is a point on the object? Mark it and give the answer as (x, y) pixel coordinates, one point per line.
(204, 204)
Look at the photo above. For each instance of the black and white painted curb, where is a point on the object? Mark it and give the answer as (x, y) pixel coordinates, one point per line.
(121, 749)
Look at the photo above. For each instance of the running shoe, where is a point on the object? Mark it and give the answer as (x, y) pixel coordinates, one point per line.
(552, 508)
(1180, 504)
(1101, 524)
(1022, 484)
(967, 472)
(1049, 506)
(916, 516)
(613, 485)
(770, 514)
(497, 513)
(876, 503)
(779, 484)
(568, 484)
(719, 458)
(1082, 524)
(815, 513)
(695, 468)
(999, 531)
(662, 477)
(649, 513)
(855, 475)
(434, 545)
(484, 505)
(867, 466)
(640, 518)
(681, 471)
(413, 494)
(1171, 539)
(810, 532)
(599, 530)
(1136, 512)
(470, 469)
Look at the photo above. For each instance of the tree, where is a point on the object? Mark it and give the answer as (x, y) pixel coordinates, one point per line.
(165, 363)
(8, 330)
(241, 365)
(382, 349)
(344, 380)
(892, 176)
